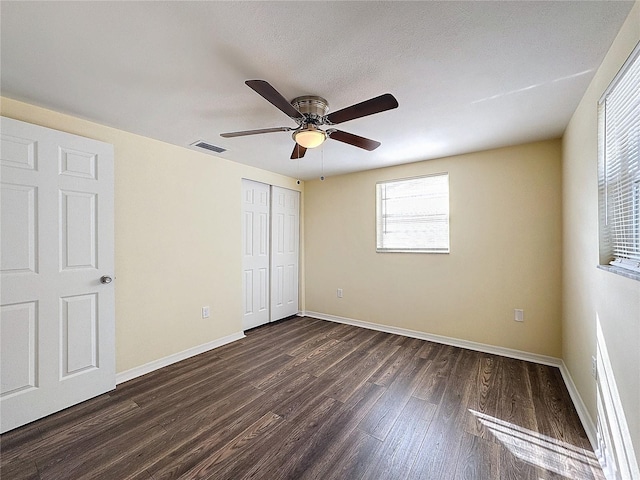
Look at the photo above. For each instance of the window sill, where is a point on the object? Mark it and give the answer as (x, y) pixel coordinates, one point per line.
(416, 250)
(620, 271)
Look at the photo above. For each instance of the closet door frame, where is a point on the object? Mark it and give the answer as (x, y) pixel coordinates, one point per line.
(270, 253)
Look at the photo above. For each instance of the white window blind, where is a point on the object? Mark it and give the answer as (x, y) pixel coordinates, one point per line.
(619, 125)
(412, 215)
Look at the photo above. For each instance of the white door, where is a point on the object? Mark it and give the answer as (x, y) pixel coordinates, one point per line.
(57, 324)
(255, 253)
(285, 233)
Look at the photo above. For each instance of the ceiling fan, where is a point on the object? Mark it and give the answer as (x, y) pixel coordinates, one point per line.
(310, 112)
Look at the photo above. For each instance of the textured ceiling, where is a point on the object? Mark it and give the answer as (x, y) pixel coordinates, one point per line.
(468, 76)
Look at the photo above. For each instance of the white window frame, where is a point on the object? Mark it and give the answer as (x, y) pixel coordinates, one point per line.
(619, 168)
(437, 188)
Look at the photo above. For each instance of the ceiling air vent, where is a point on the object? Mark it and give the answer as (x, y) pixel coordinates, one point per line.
(208, 146)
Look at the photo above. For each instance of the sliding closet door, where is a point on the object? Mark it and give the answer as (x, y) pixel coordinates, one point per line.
(255, 253)
(285, 239)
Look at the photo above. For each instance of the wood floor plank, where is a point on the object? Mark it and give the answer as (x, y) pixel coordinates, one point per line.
(350, 382)
(190, 447)
(396, 455)
(165, 377)
(475, 459)
(13, 443)
(511, 467)
(444, 436)
(193, 439)
(310, 357)
(209, 407)
(389, 370)
(259, 368)
(515, 403)
(442, 362)
(354, 457)
(315, 340)
(72, 437)
(183, 385)
(318, 454)
(335, 354)
(483, 396)
(19, 470)
(74, 416)
(250, 437)
(556, 416)
(427, 350)
(308, 399)
(383, 415)
(354, 335)
(292, 441)
(359, 346)
(109, 457)
(297, 402)
(288, 432)
(256, 339)
(189, 400)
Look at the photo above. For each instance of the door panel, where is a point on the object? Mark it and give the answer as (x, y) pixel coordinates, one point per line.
(264, 290)
(57, 329)
(278, 286)
(19, 222)
(18, 343)
(78, 230)
(255, 259)
(247, 288)
(79, 328)
(284, 255)
(17, 152)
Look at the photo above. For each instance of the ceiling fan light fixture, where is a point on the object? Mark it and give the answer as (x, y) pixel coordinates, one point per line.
(309, 137)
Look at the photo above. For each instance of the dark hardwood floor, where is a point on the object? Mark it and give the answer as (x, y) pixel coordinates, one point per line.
(309, 399)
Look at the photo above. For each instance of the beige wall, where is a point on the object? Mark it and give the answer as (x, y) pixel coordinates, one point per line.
(589, 293)
(177, 239)
(505, 251)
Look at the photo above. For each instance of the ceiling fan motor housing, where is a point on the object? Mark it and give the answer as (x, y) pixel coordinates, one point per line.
(312, 107)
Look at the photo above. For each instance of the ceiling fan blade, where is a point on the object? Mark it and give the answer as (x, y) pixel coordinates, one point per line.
(362, 109)
(270, 94)
(298, 152)
(351, 139)
(255, 132)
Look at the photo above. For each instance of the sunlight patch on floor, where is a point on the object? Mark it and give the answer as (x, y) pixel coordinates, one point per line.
(540, 450)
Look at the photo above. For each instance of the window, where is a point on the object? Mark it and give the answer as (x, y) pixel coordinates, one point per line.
(619, 142)
(412, 215)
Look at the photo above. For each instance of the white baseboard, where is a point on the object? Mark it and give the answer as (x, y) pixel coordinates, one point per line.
(583, 414)
(176, 357)
(454, 342)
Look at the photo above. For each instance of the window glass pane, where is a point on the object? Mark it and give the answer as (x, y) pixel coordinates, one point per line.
(620, 167)
(413, 214)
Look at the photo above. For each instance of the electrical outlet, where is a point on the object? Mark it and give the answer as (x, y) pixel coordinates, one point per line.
(594, 367)
(518, 315)
(339, 293)
(205, 312)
